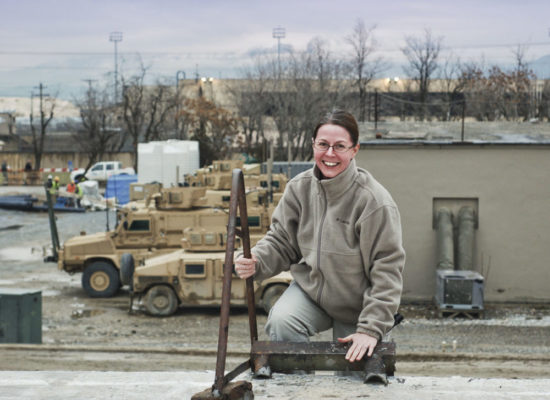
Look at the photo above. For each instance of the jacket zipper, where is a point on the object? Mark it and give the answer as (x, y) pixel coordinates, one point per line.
(320, 235)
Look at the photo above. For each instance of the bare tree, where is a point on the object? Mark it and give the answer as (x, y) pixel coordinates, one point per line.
(145, 109)
(47, 106)
(521, 77)
(98, 130)
(213, 127)
(362, 66)
(310, 85)
(251, 102)
(450, 72)
(422, 54)
(544, 105)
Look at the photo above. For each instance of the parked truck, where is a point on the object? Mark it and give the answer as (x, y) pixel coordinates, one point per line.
(144, 230)
(156, 225)
(192, 276)
(101, 171)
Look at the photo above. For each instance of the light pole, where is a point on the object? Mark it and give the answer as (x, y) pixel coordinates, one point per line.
(116, 37)
(178, 99)
(178, 74)
(279, 33)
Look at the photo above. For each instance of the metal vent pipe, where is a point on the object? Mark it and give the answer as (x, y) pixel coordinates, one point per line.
(465, 242)
(445, 245)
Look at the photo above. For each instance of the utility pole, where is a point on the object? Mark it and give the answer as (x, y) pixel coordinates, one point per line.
(41, 94)
(90, 81)
(116, 37)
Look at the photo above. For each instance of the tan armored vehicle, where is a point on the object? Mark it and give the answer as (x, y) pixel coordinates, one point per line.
(155, 225)
(217, 178)
(145, 231)
(192, 276)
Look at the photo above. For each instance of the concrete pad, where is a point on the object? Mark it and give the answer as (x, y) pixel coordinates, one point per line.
(57, 385)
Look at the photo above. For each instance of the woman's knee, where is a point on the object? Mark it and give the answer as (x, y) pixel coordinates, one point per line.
(283, 325)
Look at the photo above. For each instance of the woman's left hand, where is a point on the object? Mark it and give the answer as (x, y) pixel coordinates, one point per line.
(362, 343)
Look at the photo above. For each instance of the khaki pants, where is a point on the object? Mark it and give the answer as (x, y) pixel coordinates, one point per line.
(295, 317)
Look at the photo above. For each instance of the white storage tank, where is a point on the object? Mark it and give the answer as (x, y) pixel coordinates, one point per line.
(161, 161)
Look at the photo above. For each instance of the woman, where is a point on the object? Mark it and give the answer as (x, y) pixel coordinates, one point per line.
(338, 231)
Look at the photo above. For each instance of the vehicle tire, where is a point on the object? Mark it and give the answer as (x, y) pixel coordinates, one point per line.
(160, 301)
(271, 295)
(127, 267)
(100, 279)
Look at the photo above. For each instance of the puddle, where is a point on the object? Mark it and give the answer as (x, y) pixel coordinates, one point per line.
(77, 314)
(20, 254)
(50, 293)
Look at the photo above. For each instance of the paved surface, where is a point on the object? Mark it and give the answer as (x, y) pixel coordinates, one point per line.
(182, 385)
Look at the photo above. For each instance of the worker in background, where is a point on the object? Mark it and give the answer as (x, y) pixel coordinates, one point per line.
(71, 187)
(49, 182)
(28, 170)
(5, 172)
(54, 188)
(79, 194)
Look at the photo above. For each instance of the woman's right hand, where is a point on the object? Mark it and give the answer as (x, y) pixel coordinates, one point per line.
(245, 267)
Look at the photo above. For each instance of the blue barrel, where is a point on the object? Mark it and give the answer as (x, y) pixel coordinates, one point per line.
(119, 186)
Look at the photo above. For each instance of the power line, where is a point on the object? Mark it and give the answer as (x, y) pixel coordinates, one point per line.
(234, 54)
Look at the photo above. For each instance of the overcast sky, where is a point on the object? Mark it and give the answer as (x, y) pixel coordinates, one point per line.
(63, 42)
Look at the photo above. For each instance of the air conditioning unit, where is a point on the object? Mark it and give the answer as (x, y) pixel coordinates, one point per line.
(459, 291)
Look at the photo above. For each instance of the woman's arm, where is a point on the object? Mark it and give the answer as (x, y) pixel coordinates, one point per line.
(384, 260)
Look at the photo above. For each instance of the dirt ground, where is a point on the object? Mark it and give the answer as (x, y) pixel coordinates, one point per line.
(81, 333)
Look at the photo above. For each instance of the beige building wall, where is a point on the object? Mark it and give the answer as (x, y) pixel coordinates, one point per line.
(511, 183)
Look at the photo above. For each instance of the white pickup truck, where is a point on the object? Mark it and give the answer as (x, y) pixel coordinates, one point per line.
(101, 171)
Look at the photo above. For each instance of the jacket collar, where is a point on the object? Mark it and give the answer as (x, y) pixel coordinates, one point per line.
(339, 185)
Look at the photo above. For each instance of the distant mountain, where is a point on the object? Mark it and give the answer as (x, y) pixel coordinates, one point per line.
(541, 67)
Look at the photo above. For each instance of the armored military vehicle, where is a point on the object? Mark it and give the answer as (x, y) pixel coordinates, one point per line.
(192, 276)
(155, 225)
(144, 232)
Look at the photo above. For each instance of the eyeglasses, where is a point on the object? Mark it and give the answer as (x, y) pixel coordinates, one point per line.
(337, 148)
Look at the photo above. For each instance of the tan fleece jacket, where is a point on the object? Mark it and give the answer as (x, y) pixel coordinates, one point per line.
(341, 240)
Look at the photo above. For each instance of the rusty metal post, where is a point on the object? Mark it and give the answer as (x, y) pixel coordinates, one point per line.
(238, 200)
(245, 237)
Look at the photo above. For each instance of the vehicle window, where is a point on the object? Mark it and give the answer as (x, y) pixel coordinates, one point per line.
(194, 269)
(139, 225)
(98, 168)
(210, 238)
(253, 220)
(274, 184)
(110, 167)
(226, 198)
(196, 238)
(119, 165)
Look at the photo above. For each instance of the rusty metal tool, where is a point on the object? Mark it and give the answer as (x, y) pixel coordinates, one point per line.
(222, 387)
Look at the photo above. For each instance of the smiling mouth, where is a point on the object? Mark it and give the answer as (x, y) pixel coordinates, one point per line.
(330, 164)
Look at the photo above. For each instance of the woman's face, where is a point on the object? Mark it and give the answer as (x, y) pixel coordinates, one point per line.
(330, 162)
